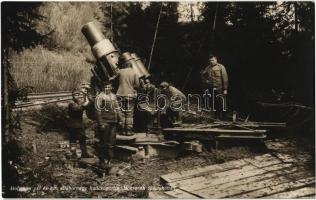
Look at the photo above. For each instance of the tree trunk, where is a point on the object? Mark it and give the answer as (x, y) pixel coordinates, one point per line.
(5, 95)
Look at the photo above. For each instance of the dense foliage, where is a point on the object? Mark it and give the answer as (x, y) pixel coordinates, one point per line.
(264, 45)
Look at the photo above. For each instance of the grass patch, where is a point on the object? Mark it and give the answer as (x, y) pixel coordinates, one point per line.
(49, 71)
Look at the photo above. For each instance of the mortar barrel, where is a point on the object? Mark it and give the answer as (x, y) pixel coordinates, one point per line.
(141, 67)
(130, 60)
(92, 33)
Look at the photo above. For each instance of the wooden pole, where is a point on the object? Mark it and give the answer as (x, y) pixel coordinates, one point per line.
(214, 24)
(192, 16)
(200, 47)
(111, 13)
(155, 35)
(6, 107)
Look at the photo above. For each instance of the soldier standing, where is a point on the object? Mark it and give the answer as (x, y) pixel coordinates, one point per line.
(215, 76)
(75, 126)
(128, 84)
(107, 117)
(144, 110)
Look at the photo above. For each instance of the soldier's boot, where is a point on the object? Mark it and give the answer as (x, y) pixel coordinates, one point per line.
(109, 165)
(129, 125)
(177, 119)
(102, 164)
(106, 167)
(84, 151)
(85, 154)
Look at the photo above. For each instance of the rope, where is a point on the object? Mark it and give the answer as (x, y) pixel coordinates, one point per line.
(155, 35)
(214, 24)
(111, 11)
(200, 46)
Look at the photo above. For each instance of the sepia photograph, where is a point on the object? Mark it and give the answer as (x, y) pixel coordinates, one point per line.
(157, 99)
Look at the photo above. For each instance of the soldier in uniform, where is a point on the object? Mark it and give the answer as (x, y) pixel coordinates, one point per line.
(145, 109)
(175, 100)
(75, 125)
(127, 92)
(215, 76)
(107, 117)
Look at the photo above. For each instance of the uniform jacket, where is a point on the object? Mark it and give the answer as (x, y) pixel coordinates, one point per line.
(216, 77)
(75, 112)
(107, 108)
(174, 93)
(128, 82)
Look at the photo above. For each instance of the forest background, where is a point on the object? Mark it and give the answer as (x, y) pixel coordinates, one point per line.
(265, 46)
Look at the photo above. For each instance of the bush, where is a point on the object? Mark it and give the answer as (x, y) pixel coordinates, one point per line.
(64, 20)
(49, 71)
(59, 64)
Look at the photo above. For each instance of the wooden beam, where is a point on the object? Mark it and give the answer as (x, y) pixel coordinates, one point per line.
(159, 195)
(47, 96)
(285, 105)
(298, 193)
(177, 193)
(254, 124)
(126, 148)
(262, 136)
(212, 130)
(265, 191)
(43, 103)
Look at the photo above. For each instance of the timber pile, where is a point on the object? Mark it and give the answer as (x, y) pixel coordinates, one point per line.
(38, 100)
(265, 176)
(222, 129)
(176, 140)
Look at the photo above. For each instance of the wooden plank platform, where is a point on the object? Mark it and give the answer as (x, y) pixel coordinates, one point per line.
(265, 176)
(216, 130)
(253, 124)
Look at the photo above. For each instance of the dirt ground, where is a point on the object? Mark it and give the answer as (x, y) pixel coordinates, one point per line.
(46, 172)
